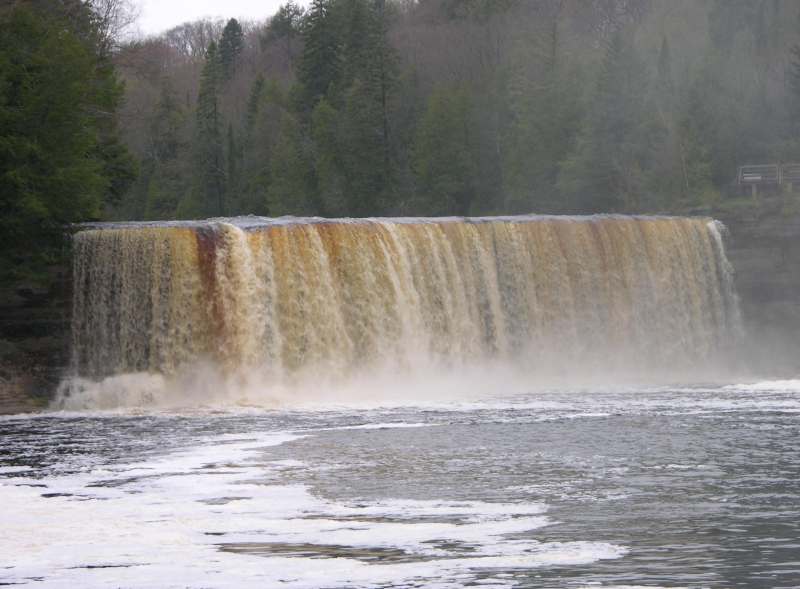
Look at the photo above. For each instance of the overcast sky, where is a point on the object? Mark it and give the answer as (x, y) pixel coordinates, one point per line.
(159, 15)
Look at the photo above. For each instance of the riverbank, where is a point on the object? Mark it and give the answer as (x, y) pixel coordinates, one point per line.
(34, 340)
(763, 247)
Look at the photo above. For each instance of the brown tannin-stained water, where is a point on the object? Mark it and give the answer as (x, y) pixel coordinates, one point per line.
(305, 303)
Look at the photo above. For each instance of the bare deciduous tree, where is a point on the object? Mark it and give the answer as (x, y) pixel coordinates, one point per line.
(115, 19)
(193, 38)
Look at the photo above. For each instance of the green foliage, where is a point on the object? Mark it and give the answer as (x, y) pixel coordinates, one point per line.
(285, 26)
(545, 119)
(328, 163)
(442, 158)
(319, 66)
(696, 134)
(230, 47)
(293, 190)
(163, 170)
(264, 110)
(60, 158)
(441, 107)
(608, 170)
(208, 195)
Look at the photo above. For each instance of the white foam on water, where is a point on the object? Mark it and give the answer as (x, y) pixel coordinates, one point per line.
(14, 469)
(162, 522)
(390, 425)
(208, 392)
(598, 586)
(203, 385)
(789, 386)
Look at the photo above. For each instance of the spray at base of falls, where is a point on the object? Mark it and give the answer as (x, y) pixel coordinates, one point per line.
(271, 310)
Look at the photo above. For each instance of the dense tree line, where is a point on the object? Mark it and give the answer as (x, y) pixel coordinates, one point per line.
(389, 107)
(438, 107)
(61, 159)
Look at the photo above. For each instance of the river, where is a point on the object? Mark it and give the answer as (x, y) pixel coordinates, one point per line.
(660, 487)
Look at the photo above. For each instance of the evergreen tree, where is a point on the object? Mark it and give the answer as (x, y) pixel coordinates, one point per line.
(442, 158)
(60, 158)
(544, 119)
(319, 66)
(256, 150)
(163, 170)
(476, 106)
(233, 154)
(285, 25)
(360, 97)
(253, 105)
(230, 47)
(696, 157)
(328, 160)
(292, 190)
(608, 171)
(208, 195)
(365, 150)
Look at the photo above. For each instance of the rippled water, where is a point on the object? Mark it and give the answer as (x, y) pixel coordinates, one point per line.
(657, 488)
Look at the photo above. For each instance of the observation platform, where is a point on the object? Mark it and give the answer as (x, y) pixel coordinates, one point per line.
(769, 177)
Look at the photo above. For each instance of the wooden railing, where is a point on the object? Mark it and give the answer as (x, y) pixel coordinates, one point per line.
(767, 174)
(784, 176)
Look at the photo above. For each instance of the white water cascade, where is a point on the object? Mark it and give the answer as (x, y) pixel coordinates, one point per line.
(334, 299)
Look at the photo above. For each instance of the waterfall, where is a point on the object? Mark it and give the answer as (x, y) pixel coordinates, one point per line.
(334, 298)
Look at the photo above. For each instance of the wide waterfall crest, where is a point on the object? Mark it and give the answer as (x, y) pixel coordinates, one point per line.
(332, 300)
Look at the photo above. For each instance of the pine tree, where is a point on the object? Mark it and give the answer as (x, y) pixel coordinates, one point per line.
(442, 158)
(233, 155)
(208, 196)
(608, 171)
(292, 189)
(328, 161)
(359, 100)
(256, 150)
(253, 105)
(285, 25)
(267, 108)
(61, 159)
(319, 65)
(697, 128)
(230, 47)
(544, 115)
(163, 168)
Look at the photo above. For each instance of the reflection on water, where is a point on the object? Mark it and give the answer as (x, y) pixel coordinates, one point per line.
(661, 488)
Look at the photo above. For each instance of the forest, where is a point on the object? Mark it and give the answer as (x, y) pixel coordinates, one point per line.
(388, 108)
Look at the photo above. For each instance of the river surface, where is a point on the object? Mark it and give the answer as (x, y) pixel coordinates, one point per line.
(697, 487)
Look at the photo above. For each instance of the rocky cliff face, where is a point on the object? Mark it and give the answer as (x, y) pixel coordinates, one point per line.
(764, 248)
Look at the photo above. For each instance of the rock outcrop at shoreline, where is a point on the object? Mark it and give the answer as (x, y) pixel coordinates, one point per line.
(764, 249)
(34, 336)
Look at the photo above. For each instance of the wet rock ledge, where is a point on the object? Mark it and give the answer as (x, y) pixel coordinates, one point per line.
(764, 249)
